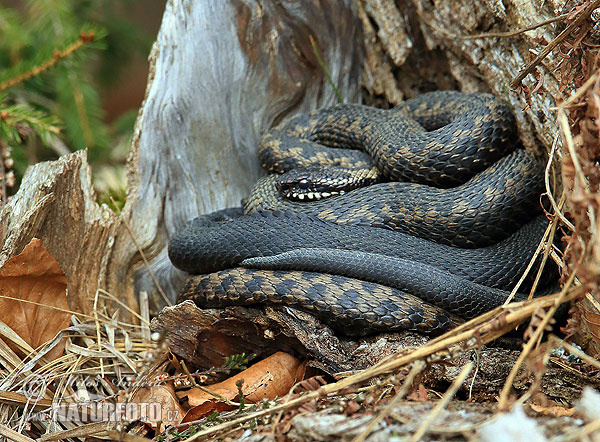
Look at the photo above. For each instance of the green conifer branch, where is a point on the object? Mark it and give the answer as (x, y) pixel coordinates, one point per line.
(20, 120)
(84, 38)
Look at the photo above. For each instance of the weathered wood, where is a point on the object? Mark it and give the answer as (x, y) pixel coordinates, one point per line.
(56, 203)
(209, 100)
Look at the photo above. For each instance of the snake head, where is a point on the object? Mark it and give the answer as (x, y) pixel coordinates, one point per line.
(315, 183)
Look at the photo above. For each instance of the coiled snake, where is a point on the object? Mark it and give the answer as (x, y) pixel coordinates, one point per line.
(371, 259)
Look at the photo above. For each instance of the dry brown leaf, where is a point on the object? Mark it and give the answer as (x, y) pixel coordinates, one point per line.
(553, 411)
(593, 322)
(267, 379)
(171, 412)
(203, 410)
(34, 276)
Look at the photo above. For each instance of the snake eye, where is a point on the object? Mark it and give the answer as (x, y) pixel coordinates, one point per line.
(303, 184)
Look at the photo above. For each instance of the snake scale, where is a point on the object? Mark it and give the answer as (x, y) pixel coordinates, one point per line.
(447, 221)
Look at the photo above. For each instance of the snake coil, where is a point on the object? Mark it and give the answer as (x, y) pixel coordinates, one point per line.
(373, 258)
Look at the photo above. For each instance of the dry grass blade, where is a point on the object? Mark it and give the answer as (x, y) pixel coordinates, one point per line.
(574, 350)
(143, 255)
(443, 402)
(503, 402)
(11, 434)
(389, 408)
(95, 429)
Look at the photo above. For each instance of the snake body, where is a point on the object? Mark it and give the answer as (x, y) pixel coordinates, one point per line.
(441, 138)
(487, 208)
(446, 139)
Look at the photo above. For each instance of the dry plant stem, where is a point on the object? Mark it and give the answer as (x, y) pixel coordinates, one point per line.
(81, 431)
(549, 233)
(11, 434)
(11, 398)
(557, 207)
(564, 123)
(554, 340)
(548, 247)
(513, 33)
(143, 255)
(503, 402)
(56, 57)
(111, 296)
(443, 402)
(473, 334)
(416, 369)
(145, 313)
(529, 68)
(592, 301)
(97, 323)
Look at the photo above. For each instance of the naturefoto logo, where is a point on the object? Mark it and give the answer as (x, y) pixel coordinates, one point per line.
(34, 387)
(86, 407)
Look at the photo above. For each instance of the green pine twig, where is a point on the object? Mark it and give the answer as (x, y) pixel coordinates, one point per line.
(84, 38)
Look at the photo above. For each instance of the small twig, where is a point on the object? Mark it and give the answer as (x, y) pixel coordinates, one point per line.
(324, 68)
(443, 402)
(416, 369)
(503, 402)
(574, 350)
(84, 38)
(550, 46)
(517, 32)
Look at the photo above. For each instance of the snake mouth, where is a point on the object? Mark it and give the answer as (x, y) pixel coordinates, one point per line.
(317, 182)
(310, 196)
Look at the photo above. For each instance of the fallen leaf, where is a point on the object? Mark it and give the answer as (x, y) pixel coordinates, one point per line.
(267, 379)
(553, 411)
(203, 410)
(170, 412)
(34, 276)
(593, 322)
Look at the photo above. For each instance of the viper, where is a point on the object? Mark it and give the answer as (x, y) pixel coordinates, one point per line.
(374, 258)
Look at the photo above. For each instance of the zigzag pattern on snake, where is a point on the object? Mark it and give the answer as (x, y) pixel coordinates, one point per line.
(454, 138)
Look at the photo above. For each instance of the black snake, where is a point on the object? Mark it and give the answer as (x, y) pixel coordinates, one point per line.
(487, 205)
